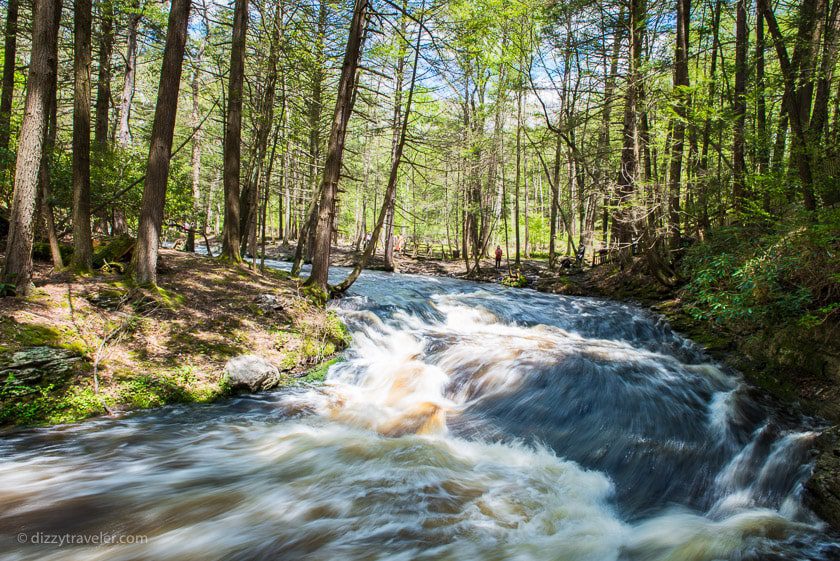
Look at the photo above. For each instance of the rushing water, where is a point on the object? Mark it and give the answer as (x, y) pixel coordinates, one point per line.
(468, 422)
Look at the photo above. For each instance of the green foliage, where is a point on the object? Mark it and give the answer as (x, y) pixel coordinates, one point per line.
(24, 405)
(515, 280)
(749, 276)
(319, 373)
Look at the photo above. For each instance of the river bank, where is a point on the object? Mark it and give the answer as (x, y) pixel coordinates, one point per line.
(87, 346)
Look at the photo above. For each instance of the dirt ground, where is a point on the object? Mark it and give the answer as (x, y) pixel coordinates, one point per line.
(149, 347)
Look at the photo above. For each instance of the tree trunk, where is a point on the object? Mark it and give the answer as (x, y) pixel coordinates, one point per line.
(518, 180)
(391, 188)
(335, 148)
(739, 164)
(681, 85)
(144, 260)
(42, 72)
(233, 136)
(398, 137)
(801, 150)
(628, 174)
(195, 157)
(82, 246)
(103, 83)
(124, 134)
(44, 176)
(9, 61)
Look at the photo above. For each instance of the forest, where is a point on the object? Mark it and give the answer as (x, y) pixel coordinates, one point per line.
(618, 128)
(420, 279)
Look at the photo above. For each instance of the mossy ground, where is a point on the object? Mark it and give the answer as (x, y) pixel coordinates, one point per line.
(163, 345)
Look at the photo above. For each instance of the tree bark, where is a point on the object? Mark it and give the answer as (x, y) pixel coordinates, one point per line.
(628, 174)
(103, 83)
(233, 135)
(124, 133)
(42, 72)
(681, 85)
(335, 148)
(144, 260)
(398, 138)
(9, 61)
(44, 176)
(801, 150)
(82, 245)
(739, 164)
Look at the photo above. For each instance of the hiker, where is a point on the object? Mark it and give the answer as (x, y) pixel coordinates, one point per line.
(498, 256)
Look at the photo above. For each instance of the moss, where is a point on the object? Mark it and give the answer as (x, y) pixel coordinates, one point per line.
(49, 406)
(315, 294)
(16, 336)
(319, 373)
(115, 250)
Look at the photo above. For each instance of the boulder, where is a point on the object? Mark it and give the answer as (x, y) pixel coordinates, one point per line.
(823, 489)
(251, 373)
(37, 365)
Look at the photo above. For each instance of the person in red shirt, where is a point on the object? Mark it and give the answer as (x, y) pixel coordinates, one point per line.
(498, 256)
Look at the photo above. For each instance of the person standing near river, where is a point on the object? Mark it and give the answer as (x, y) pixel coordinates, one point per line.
(498, 256)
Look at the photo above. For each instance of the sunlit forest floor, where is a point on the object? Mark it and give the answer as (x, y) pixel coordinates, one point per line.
(86, 346)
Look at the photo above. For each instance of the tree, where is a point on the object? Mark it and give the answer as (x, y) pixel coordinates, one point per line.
(681, 85)
(739, 163)
(145, 257)
(8, 88)
(135, 14)
(233, 135)
(335, 148)
(42, 70)
(103, 81)
(396, 158)
(82, 245)
(625, 219)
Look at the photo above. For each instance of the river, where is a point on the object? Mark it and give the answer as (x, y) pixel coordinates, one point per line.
(467, 422)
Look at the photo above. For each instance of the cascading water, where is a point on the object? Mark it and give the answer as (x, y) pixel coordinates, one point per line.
(467, 422)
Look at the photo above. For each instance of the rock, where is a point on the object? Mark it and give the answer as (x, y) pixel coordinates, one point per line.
(251, 373)
(823, 489)
(269, 303)
(39, 365)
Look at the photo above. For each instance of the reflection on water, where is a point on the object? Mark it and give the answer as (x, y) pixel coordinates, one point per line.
(467, 422)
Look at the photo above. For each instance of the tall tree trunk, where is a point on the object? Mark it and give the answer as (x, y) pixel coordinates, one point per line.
(739, 164)
(44, 175)
(103, 83)
(124, 133)
(398, 136)
(681, 85)
(703, 188)
(144, 260)
(82, 246)
(233, 135)
(42, 71)
(315, 110)
(628, 174)
(518, 180)
(555, 203)
(195, 157)
(801, 150)
(335, 148)
(391, 188)
(8, 89)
